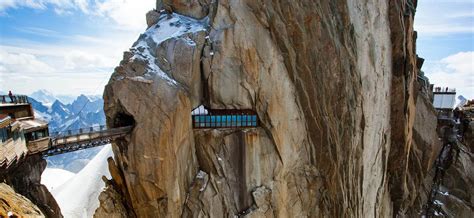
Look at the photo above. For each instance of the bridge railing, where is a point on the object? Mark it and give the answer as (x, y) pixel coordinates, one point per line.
(14, 99)
(73, 132)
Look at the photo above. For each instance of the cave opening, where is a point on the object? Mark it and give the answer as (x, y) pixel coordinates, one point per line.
(123, 119)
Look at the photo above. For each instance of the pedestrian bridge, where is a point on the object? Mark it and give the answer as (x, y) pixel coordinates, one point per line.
(74, 140)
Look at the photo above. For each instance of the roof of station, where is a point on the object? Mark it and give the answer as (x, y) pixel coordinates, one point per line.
(33, 125)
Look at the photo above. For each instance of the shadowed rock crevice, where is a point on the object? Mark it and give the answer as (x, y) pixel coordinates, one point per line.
(123, 119)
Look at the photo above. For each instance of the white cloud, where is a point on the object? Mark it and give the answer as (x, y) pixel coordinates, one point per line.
(442, 17)
(454, 71)
(81, 60)
(22, 63)
(128, 14)
(70, 64)
(444, 29)
(40, 31)
(83, 5)
(4, 4)
(462, 62)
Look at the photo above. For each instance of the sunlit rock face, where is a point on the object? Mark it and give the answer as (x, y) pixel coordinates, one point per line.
(336, 111)
(12, 203)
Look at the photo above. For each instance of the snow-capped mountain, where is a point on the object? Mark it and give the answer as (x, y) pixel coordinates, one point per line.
(74, 178)
(48, 98)
(43, 96)
(83, 112)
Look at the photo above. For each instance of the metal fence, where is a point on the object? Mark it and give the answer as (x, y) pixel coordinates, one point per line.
(444, 90)
(14, 99)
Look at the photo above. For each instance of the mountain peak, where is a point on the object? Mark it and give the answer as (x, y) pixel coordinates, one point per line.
(44, 96)
(83, 97)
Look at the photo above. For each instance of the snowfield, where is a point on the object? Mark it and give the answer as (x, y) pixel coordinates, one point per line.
(78, 194)
(53, 177)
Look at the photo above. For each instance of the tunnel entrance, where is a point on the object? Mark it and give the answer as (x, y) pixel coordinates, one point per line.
(123, 119)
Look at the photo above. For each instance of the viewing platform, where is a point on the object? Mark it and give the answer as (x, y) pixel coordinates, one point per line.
(13, 100)
(223, 118)
(444, 98)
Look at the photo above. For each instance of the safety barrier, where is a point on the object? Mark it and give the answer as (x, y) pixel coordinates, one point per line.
(224, 118)
(14, 99)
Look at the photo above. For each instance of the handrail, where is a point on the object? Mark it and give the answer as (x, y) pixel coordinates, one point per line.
(90, 132)
(14, 99)
(444, 90)
(73, 132)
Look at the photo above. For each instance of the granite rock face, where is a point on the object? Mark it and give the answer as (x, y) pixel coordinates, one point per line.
(456, 195)
(334, 87)
(16, 204)
(25, 179)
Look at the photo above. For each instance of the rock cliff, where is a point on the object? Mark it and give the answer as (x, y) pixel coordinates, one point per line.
(24, 178)
(13, 203)
(343, 131)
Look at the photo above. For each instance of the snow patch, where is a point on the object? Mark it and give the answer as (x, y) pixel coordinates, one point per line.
(79, 196)
(168, 26)
(202, 176)
(53, 177)
(437, 202)
(140, 79)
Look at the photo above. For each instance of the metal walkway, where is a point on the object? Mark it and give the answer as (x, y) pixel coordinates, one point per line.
(74, 140)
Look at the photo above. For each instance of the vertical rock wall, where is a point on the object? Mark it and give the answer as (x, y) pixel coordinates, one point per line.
(25, 178)
(331, 81)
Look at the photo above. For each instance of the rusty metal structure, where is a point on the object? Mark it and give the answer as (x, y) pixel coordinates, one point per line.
(204, 118)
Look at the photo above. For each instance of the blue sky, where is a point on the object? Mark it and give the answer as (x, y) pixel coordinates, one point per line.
(446, 41)
(72, 46)
(66, 46)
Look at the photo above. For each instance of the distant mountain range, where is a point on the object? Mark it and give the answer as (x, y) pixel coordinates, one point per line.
(82, 112)
(48, 98)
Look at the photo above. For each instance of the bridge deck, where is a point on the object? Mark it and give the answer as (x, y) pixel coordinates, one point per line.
(69, 142)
